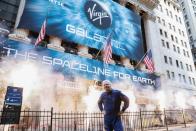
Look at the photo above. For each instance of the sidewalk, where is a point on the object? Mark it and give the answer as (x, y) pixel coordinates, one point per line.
(189, 127)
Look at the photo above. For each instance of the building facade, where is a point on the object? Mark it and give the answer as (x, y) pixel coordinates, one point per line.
(174, 59)
(189, 12)
(164, 33)
(8, 11)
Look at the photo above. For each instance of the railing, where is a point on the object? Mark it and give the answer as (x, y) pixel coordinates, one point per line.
(75, 121)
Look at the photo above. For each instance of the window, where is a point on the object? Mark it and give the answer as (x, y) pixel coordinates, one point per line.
(176, 17)
(167, 43)
(163, 43)
(173, 75)
(184, 52)
(184, 11)
(174, 47)
(165, 34)
(193, 79)
(180, 20)
(158, 19)
(168, 3)
(189, 31)
(185, 17)
(163, 21)
(176, 39)
(174, 28)
(171, 14)
(187, 53)
(182, 43)
(191, 39)
(183, 33)
(167, 12)
(190, 82)
(180, 77)
(190, 67)
(178, 49)
(165, 58)
(177, 64)
(160, 8)
(170, 60)
(187, 24)
(168, 74)
(184, 78)
(161, 31)
(182, 4)
(172, 37)
(170, 26)
(185, 44)
(181, 65)
(187, 67)
(179, 31)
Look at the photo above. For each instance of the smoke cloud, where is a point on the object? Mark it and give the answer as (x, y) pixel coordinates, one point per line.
(43, 88)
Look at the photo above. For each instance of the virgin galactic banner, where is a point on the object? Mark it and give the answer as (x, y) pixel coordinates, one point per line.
(74, 65)
(87, 22)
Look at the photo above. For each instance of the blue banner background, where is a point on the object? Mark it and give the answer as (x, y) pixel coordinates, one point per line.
(126, 39)
(73, 65)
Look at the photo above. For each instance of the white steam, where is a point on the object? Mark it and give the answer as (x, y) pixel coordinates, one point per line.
(43, 89)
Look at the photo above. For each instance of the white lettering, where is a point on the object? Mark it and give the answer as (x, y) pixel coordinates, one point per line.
(47, 60)
(77, 65)
(31, 56)
(97, 15)
(96, 37)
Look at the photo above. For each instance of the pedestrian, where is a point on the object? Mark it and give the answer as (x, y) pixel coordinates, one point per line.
(110, 104)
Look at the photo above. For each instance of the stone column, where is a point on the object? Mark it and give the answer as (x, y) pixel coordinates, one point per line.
(152, 40)
(20, 34)
(83, 51)
(126, 62)
(20, 11)
(55, 43)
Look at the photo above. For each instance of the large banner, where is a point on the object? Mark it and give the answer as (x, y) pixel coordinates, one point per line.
(76, 66)
(87, 22)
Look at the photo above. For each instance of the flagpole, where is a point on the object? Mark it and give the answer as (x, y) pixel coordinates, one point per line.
(141, 59)
(44, 25)
(104, 44)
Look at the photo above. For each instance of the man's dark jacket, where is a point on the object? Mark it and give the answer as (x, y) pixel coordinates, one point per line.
(110, 102)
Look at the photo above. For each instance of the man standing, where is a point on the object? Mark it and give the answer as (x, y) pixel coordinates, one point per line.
(110, 103)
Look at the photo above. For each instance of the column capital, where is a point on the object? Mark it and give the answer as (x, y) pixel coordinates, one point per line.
(83, 51)
(20, 35)
(126, 62)
(149, 16)
(55, 43)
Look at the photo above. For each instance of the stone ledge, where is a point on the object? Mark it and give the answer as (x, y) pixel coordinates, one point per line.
(19, 37)
(55, 47)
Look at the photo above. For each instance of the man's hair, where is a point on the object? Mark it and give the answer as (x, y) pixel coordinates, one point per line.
(107, 82)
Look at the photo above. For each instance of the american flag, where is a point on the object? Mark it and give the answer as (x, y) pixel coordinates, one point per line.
(41, 33)
(148, 61)
(107, 52)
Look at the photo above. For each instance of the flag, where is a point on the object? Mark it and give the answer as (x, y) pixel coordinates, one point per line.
(107, 52)
(41, 33)
(148, 61)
